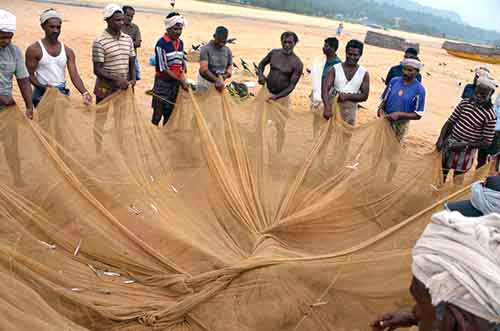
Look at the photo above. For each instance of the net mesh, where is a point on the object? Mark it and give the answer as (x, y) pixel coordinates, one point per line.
(234, 216)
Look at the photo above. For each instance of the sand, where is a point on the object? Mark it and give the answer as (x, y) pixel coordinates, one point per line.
(257, 31)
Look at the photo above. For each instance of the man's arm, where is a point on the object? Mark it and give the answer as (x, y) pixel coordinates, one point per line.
(262, 66)
(326, 87)
(25, 87)
(297, 73)
(358, 97)
(33, 56)
(73, 72)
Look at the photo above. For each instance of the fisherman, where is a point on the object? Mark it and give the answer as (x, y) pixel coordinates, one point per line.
(404, 98)
(469, 89)
(113, 56)
(319, 71)
(216, 62)
(470, 126)
(286, 68)
(349, 81)
(397, 71)
(456, 277)
(134, 32)
(13, 64)
(48, 58)
(170, 68)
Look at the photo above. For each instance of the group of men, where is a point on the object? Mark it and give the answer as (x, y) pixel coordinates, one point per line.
(447, 298)
(470, 128)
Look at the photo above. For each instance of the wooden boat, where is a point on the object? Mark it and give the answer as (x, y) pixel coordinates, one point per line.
(473, 52)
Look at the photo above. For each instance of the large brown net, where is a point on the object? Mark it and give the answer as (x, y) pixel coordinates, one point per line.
(232, 217)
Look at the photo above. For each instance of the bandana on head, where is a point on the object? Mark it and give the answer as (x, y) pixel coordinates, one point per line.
(110, 9)
(177, 19)
(482, 71)
(7, 21)
(48, 14)
(412, 63)
(487, 81)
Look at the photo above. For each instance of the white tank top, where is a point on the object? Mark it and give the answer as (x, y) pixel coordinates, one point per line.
(352, 86)
(51, 70)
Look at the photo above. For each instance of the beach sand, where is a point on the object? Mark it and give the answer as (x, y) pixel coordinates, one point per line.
(257, 31)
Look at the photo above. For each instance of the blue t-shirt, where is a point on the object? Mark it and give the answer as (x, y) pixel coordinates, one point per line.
(399, 97)
(397, 71)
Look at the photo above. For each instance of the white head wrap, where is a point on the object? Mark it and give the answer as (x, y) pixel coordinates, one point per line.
(170, 22)
(458, 260)
(482, 71)
(413, 63)
(48, 14)
(7, 21)
(487, 81)
(110, 9)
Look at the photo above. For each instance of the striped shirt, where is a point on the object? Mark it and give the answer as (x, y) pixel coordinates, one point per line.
(473, 123)
(169, 55)
(114, 53)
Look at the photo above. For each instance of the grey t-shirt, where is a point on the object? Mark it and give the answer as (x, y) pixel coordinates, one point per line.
(11, 63)
(218, 58)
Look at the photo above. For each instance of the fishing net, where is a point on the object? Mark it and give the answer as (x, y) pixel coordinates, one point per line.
(231, 217)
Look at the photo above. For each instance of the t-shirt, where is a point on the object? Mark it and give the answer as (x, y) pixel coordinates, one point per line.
(469, 91)
(114, 53)
(473, 122)
(329, 64)
(169, 54)
(397, 71)
(218, 58)
(134, 32)
(11, 63)
(399, 97)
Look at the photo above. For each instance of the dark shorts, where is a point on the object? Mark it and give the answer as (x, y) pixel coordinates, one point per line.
(164, 98)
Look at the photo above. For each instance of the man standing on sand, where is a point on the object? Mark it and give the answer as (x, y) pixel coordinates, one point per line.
(216, 62)
(319, 71)
(135, 33)
(397, 71)
(48, 58)
(12, 64)
(286, 68)
(404, 99)
(349, 81)
(113, 56)
(470, 126)
(170, 66)
(284, 74)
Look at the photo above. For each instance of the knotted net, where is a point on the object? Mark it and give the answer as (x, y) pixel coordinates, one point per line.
(231, 217)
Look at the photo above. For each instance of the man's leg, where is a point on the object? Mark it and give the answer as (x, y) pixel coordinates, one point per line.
(157, 105)
(482, 157)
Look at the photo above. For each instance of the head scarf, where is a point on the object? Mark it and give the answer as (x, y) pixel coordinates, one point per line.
(487, 81)
(48, 14)
(412, 63)
(482, 71)
(110, 9)
(457, 258)
(177, 19)
(7, 21)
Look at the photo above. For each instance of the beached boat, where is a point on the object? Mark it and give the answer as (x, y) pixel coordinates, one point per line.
(473, 52)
